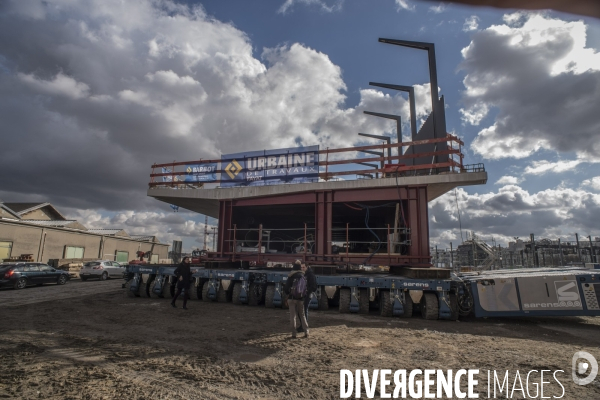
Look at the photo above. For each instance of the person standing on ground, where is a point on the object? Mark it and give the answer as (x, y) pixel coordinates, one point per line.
(184, 277)
(295, 286)
(311, 288)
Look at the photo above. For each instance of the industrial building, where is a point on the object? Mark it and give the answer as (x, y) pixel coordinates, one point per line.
(41, 231)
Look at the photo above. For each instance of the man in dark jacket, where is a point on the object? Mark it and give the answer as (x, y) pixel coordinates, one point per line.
(184, 275)
(296, 303)
(311, 286)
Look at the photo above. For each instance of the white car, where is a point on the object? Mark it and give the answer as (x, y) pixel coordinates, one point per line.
(101, 269)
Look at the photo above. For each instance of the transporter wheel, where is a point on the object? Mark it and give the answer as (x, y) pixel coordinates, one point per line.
(429, 306)
(269, 296)
(104, 276)
(257, 294)
(453, 301)
(223, 296)
(83, 278)
(151, 290)
(128, 291)
(193, 291)
(143, 292)
(408, 306)
(344, 300)
(205, 291)
(237, 290)
(167, 289)
(385, 304)
(363, 301)
(323, 301)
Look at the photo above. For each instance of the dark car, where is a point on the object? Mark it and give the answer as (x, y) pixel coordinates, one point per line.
(19, 275)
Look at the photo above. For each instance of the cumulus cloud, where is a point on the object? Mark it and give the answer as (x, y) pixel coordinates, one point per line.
(471, 23)
(98, 91)
(438, 8)
(543, 166)
(404, 5)
(593, 183)
(514, 211)
(508, 180)
(165, 226)
(542, 83)
(322, 5)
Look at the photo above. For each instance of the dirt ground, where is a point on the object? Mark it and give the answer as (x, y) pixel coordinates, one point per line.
(108, 346)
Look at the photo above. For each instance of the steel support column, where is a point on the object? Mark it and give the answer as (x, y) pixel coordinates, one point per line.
(323, 211)
(225, 235)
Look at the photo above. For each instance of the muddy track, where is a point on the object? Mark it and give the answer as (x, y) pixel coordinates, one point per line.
(105, 345)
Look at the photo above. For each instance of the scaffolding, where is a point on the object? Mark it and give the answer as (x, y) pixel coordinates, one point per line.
(477, 254)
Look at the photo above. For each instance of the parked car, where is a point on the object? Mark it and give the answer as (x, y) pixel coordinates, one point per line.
(101, 269)
(20, 275)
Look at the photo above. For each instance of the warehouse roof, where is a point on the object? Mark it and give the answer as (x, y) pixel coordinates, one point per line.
(24, 208)
(58, 223)
(109, 232)
(145, 238)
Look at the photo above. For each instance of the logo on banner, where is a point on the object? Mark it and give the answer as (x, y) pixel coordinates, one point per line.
(233, 169)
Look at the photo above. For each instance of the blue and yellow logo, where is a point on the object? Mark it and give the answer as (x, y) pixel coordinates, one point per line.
(233, 169)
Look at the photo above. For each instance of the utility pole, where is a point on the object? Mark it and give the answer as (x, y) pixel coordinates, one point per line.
(535, 261)
(578, 248)
(205, 231)
(214, 244)
(562, 260)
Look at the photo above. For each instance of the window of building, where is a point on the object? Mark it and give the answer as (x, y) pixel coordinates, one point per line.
(122, 256)
(74, 252)
(154, 259)
(5, 249)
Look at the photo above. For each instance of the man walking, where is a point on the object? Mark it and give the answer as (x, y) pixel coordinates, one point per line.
(311, 288)
(295, 286)
(184, 275)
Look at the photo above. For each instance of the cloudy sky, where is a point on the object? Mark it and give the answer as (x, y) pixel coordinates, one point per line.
(93, 92)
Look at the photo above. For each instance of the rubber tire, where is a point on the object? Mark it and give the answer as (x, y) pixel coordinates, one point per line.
(60, 281)
(408, 305)
(344, 300)
(256, 294)
(363, 301)
(194, 293)
(430, 306)
(235, 296)
(167, 289)
(128, 292)
(151, 290)
(205, 292)
(83, 278)
(20, 284)
(269, 296)
(385, 304)
(323, 300)
(453, 300)
(104, 276)
(144, 289)
(223, 296)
